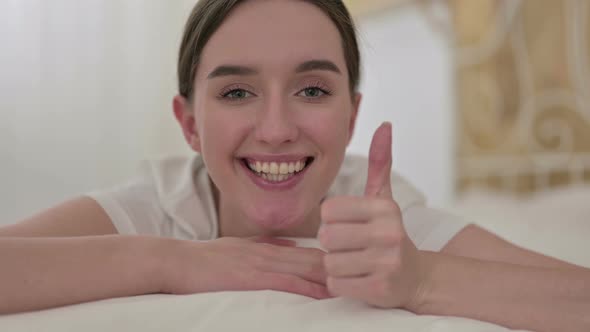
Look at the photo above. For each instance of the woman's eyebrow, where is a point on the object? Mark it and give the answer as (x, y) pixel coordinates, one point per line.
(318, 65)
(235, 70)
(231, 70)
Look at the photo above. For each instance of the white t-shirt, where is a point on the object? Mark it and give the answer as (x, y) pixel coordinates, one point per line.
(172, 197)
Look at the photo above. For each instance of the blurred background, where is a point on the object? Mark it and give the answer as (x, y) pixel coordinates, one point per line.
(486, 96)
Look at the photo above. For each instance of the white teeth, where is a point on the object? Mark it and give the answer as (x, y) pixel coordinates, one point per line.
(278, 168)
(276, 177)
(274, 168)
(276, 171)
(284, 168)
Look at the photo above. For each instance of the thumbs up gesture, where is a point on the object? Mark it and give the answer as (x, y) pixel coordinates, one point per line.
(370, 256)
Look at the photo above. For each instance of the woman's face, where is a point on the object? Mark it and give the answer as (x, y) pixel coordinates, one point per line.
(271, 97)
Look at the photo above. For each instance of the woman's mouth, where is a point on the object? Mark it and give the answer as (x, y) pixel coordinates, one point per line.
(277, 172)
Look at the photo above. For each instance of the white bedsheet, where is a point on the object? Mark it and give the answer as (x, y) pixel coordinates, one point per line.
(557, 224)
(233, 311)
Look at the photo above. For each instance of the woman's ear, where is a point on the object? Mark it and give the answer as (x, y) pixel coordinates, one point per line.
(186, 119)
(356, 103)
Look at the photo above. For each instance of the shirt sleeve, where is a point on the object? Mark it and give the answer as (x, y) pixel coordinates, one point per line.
(431, 229)
(132, 207)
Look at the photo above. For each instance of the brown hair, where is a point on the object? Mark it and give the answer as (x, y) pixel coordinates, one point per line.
(207, 16)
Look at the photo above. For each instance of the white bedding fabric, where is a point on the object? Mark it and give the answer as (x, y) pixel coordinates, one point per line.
(233, 311)
(557, 224)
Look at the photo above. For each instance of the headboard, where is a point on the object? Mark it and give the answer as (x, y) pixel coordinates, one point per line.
(523, 93)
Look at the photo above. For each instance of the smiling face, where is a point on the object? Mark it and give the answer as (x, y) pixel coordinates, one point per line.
(271, 114)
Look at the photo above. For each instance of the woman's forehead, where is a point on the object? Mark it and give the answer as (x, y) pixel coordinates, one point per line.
(273, 34)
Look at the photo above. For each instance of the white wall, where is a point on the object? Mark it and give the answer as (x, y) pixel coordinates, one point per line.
(85, 90)
(408, 81)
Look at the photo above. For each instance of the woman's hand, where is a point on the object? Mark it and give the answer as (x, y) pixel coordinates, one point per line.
(370, 256)
(238, 264)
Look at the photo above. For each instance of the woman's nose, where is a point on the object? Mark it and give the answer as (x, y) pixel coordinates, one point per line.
(275, 124)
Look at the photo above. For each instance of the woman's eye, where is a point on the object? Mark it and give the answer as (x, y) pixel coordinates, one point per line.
(237, 94)
(312, 92)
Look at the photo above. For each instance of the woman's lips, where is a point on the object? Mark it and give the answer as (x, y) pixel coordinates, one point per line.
(291, 181)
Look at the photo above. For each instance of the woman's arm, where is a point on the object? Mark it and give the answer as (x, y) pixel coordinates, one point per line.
(80, 216)
(70, 254)
(371, 258)
(516, 296)
(475, 242)
(39, 273)
(480, 275)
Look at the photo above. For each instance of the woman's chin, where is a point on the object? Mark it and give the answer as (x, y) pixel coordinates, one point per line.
(276, 223)
(282, 215)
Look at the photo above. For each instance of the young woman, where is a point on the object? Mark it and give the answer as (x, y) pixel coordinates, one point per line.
(268, 98)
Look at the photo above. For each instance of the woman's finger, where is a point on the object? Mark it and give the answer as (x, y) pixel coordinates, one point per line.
(291, 284)
(345, 236)
(294, 254)
(356, 209)
(379, 171)
(349, 264)
(307, 263)
(359, 288)
(274, 241)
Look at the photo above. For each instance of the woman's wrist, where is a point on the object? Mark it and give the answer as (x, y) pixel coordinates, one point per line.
(173, 263)
(428, 264)
(156, 261)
